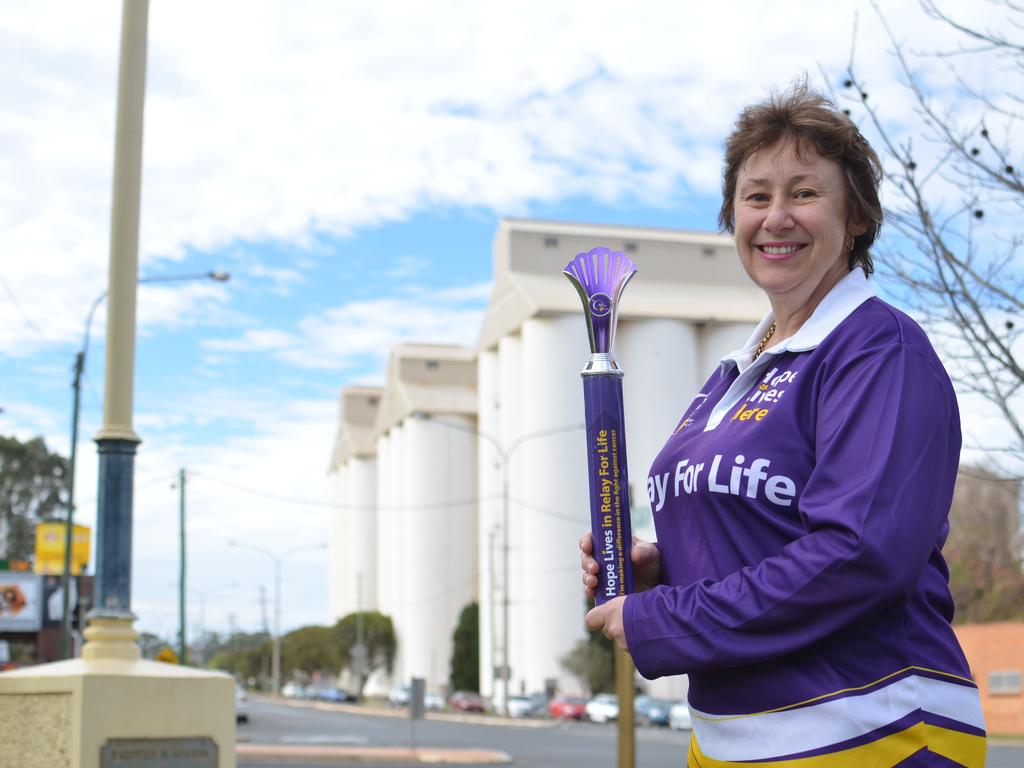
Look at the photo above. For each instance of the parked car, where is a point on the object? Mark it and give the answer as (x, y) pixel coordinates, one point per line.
(292, 691)
(519, 706)
(538, 704)
(567, 708)
(603, 707)
(679, 717)
(398, 696)
(466, 701)
(648, 711)
(336, 695)
(241, 704)
(433, 701)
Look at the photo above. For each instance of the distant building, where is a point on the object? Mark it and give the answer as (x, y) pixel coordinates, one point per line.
(467, 440)
(995, 652)
(984, 554)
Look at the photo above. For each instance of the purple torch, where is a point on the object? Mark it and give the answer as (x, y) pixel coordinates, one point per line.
(600, 277)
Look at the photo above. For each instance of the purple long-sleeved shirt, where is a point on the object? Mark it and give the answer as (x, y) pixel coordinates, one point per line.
(801, 507)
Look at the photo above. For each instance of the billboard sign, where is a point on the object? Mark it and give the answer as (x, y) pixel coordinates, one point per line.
(21, 602)
(50, 548)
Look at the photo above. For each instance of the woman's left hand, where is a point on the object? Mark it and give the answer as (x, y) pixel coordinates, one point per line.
(607, 618)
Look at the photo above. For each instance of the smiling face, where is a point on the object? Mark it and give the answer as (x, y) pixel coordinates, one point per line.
(791, 226)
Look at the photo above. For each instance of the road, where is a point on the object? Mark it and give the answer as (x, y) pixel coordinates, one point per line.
(534, 744)
(539, 744)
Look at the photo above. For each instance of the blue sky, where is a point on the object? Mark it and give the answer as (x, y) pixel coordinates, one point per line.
(347, 164)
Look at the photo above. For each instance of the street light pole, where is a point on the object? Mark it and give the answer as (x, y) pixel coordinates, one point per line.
(80, 358)
(275, 661)
(275, 664)
(182, 649)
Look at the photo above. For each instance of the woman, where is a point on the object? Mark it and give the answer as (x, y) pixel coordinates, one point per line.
(801, 504)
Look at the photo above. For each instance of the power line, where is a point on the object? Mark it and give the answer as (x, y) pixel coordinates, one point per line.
(331, 505)
(27, 319)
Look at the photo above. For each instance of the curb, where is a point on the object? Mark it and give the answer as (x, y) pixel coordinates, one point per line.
(275, 753)
(448, 717)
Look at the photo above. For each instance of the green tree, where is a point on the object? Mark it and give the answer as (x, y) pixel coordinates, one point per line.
(246, 656)
(33, 488)
(465, 663)
(378, 637)
(310, 650)
(246, 663)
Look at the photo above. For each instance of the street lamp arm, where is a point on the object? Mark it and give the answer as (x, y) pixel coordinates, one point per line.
(251, 548)
(519, 441)
(300, 550)
(88, 325)
(503, 452)
(214, 274)
(219, 275)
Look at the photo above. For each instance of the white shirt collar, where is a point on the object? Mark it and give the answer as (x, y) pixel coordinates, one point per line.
(845, 296)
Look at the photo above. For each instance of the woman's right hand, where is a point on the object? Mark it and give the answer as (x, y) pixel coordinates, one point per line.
(646, 564)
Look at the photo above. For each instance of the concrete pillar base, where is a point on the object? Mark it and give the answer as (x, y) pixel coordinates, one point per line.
(61, 715)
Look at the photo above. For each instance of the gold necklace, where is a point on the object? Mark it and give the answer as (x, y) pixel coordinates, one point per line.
(764, 341)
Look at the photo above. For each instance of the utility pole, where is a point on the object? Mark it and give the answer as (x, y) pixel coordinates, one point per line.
(263, 609)
(69, 526)
(264, 666)
(359, 654)
(182, 650)
(491, 536)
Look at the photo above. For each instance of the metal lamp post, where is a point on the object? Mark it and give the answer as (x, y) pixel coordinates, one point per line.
(275, 668)
(79, 371)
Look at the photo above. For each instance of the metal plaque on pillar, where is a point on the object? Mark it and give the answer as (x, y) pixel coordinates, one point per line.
(191, 752)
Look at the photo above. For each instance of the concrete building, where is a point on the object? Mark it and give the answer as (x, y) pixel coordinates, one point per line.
(481, 457)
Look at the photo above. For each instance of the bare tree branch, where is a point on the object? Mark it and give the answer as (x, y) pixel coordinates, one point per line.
(958, 261)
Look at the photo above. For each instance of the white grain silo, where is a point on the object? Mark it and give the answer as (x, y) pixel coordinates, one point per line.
(427, 538)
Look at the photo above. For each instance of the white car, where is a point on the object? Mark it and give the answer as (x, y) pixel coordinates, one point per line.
(291, 691)
(399, 696)
(602, 708)
(679, 717)
(241, 704)
(519, 706)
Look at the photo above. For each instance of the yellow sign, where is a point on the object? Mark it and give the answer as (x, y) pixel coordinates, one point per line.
(50, 548)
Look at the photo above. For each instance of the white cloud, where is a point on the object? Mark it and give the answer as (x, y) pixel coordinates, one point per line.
(282, 280)
(407, 266)
(339, 337)
(279, 120)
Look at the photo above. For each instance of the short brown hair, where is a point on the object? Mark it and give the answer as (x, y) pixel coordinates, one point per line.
(813, 123)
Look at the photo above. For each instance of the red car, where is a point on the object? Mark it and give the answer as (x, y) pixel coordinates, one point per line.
(568, 708)
(466, 701)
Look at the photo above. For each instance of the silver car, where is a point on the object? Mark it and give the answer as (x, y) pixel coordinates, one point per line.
(241, 704)
(679, 717)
